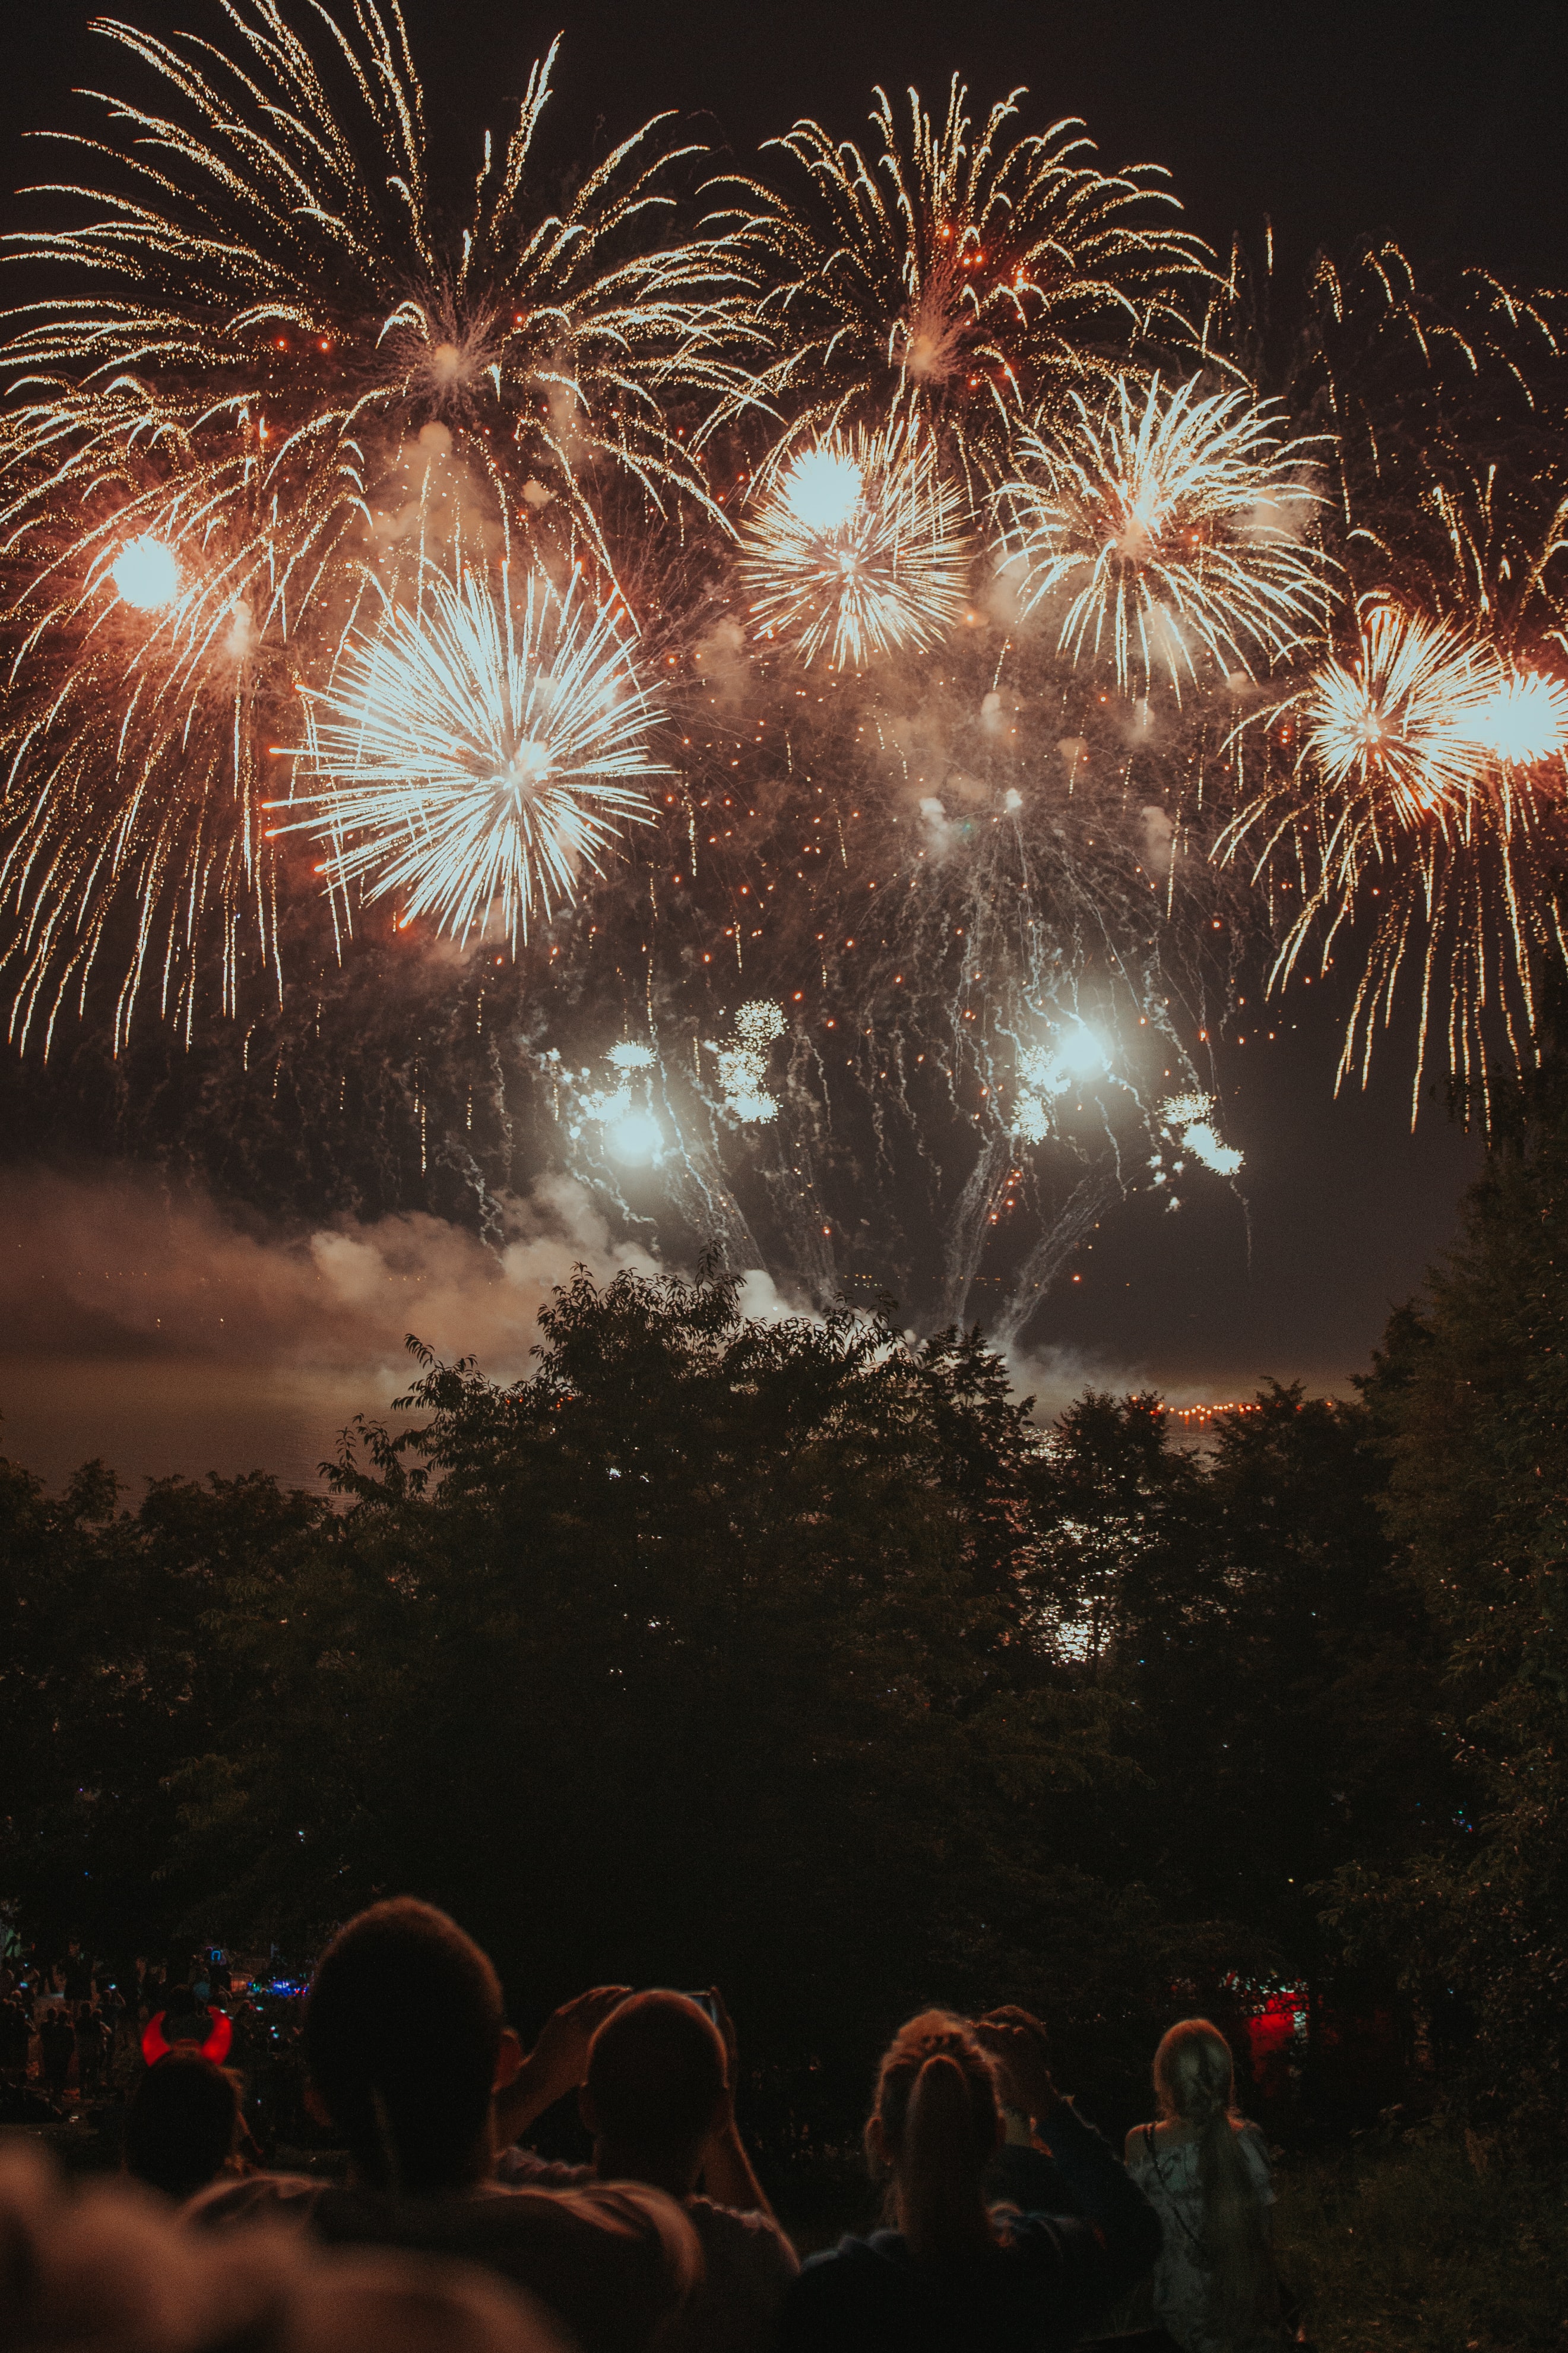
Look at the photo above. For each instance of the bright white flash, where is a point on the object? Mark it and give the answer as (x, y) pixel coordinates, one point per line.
(1204, 1145)
(147, 574)
(823, 488)
(1048, 1072)
(1526, 719)
(634, 1138)
(1081, 1052)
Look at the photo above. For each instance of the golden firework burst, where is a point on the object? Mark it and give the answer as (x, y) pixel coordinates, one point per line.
(1176, 523)
(857, 547)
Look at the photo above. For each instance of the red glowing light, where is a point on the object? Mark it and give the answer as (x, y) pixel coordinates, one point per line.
(156, 2045)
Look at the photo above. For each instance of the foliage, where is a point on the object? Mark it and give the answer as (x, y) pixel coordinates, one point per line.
(1471, 1388)
(793, 1655)
(702, 1650)
(106, 1679)
(1410, 2248)
(1243, 1605)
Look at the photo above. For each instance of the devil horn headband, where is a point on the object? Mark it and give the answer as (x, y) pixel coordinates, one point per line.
(155, 2044)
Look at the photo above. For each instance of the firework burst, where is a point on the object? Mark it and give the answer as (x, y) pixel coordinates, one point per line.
(130, 807)
(965, 273)
(1174, 523)
(858, 548)
(918, 974)
(1409, 819)
(259, 322)
(1426, 800)
(1397, 731)
(743, 1062)
(476, 758)
(1448, 402)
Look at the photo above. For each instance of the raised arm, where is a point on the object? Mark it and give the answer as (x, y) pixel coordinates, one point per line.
(1124, 2228)
(1126, 2225)
(728, 2175)
(556, 2064)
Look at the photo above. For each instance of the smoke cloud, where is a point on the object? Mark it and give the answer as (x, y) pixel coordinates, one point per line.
(157, 1331)
(153, 1330)
(110, 1266)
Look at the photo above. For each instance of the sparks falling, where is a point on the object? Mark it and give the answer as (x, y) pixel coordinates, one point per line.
(248, 362)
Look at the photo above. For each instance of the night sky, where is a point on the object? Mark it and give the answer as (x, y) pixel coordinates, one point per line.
(1442, 131)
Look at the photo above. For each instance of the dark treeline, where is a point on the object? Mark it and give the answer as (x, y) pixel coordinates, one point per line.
(794, 1656)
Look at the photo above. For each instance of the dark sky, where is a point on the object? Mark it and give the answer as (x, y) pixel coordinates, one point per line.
(1441, 129)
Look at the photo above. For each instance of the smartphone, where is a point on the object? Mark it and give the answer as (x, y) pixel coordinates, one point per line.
(706, 2003)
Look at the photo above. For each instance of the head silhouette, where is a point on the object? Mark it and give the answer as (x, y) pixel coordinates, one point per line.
(182, 2125)
(655, 2086)
(935, 2123)
(402, 2034)
(1195, 2082)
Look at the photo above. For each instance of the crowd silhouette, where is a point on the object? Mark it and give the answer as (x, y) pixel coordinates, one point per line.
(1007, 2222)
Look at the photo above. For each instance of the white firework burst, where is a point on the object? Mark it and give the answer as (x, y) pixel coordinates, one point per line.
(478, 753)
(743, 1062)
(1174, 523)
(1398, 729)
(1190, 1120)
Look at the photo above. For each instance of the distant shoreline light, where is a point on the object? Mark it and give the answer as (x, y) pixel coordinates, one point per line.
(1210, 1412)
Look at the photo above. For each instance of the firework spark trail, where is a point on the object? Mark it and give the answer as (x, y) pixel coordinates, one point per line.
(859, 547)
(969, 274)
(1446, 404)
(1177, 523)
(474, 753)
(275, 442)
(934, 912)
(1428, 777)
(132, 799)
(1409, 812)
(260, 315)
